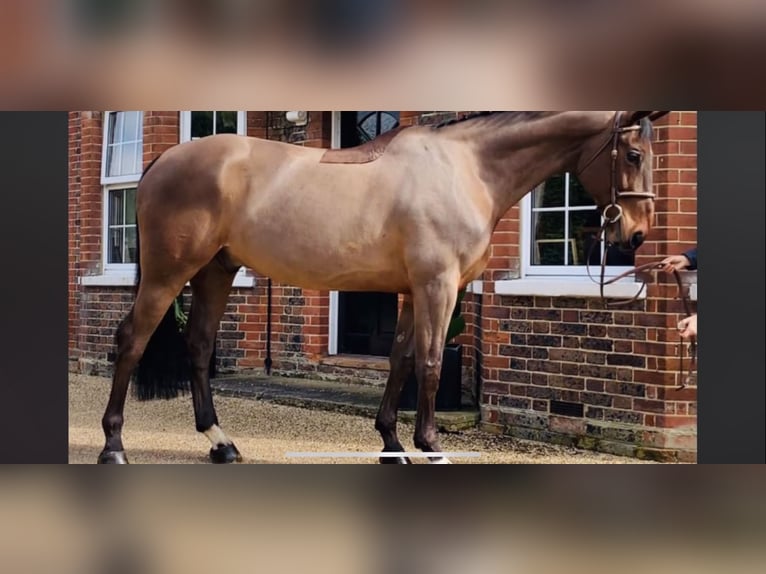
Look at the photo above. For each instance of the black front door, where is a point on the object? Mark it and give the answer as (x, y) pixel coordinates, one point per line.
(366, 321)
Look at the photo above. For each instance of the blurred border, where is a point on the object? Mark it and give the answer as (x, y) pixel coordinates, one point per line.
(33, 296)
(732, 392)
(345, 54)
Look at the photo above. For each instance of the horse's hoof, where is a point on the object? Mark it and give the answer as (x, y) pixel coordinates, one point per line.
(395, 460)
(112, 457)
(225, 454)
(440, 460)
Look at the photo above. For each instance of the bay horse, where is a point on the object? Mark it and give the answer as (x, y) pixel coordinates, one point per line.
(410, 213)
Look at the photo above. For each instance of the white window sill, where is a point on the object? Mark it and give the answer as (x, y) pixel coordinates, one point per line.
(128, 279)
(476, 287)
(569, 287)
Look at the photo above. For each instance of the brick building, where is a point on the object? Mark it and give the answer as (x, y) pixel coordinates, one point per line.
(542, 358)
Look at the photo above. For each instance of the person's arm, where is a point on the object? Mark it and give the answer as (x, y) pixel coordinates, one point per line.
(691, 255)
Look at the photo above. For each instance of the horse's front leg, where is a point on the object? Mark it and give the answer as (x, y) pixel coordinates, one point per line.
(402, 362)
(433, 305)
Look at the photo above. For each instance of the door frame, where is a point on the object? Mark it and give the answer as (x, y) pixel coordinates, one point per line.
(332, 345)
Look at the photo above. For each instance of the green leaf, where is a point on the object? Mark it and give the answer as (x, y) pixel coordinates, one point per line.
(456, 327)
(181, 317)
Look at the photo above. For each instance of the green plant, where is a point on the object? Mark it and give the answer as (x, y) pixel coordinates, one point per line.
(457, 322)
(181, 317)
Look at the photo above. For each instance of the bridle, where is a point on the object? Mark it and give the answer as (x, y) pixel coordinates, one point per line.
(609, 220)
(617, 194)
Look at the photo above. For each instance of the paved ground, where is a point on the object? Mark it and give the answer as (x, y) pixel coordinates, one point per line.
(163, 432)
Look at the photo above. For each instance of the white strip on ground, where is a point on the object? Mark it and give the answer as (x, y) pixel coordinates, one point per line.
(382, 454)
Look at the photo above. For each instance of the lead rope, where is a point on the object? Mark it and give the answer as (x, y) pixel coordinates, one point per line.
(640, 272)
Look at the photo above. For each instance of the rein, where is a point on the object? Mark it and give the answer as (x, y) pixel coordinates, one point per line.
(641, 270)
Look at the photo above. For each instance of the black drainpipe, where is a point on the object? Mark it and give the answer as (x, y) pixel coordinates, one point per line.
(478, 350)
(267, 362)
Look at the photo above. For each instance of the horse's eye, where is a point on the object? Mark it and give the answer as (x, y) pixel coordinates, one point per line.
(634, 157)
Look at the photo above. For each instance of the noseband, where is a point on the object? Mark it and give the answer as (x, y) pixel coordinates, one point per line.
(643, 270)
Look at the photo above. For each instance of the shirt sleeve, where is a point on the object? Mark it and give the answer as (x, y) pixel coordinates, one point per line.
(691, 255)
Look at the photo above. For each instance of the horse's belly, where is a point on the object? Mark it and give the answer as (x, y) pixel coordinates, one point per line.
(323, 267)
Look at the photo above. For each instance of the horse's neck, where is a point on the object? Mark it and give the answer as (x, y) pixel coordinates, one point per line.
(515, 159)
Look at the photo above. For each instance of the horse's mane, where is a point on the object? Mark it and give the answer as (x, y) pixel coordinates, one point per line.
(494, 118)
(510, 117)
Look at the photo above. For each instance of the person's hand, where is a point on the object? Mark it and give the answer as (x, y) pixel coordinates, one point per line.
(688, 328)
(674, 262)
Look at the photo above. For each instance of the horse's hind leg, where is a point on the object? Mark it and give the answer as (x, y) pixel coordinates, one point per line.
(402, 362)
(210, 291)
(152, 302)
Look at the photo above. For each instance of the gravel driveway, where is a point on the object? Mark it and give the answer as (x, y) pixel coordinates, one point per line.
(163, 432)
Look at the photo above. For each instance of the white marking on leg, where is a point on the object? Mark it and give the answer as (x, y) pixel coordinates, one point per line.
(441, 460)
(216, 436)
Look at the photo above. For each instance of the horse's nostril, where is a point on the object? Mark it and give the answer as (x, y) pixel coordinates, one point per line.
(637, 240)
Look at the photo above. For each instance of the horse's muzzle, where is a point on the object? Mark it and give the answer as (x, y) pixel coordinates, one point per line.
(637, 240)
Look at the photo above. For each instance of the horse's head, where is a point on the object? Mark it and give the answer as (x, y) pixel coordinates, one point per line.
(615, 167)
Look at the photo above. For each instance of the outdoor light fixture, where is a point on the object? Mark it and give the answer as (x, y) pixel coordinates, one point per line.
(297, 118)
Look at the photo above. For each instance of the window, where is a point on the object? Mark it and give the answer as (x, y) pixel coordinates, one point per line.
(123, 147)
(121, 167)
(121, 226)
(195, 125)
(563, 222)
(371, 124)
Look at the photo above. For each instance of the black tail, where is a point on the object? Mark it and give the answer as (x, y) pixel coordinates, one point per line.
(164, 370)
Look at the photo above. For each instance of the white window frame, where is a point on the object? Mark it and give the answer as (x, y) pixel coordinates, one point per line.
(109, 184)
(332, 341)
(113, 268)
(124, 180)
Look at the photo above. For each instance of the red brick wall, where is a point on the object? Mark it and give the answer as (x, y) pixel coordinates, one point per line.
(75, 166)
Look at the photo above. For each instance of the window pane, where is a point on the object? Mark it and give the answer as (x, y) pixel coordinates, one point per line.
(130, 245)
(583, 229)
(201, 124)
(130, 130)
(130, 206)
(112, 128)
(372, 124)
(116, 207)
(129, 155)
(124, 158)
(577, 194)
(114, 248)
(551, 194)
(548, 245)
(113, 158)
(226, 122)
